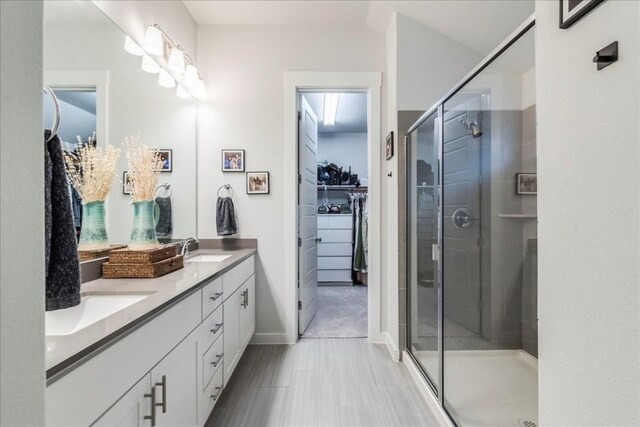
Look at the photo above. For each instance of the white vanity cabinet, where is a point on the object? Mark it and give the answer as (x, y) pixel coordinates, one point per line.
(168, 372)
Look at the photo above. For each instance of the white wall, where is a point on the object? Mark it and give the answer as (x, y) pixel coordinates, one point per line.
(244, 68)
(345, 149)
(135, 103)
(589, 218)
(22, 276)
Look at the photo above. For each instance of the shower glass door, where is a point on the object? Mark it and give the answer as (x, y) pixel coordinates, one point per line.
(423, 231)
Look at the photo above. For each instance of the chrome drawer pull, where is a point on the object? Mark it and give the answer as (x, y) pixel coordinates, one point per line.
(217, 361)
(217, 328)
(215, 396)
(215, 296)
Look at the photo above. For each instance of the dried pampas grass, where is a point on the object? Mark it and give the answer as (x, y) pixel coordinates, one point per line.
(144, 169)
(92, 171)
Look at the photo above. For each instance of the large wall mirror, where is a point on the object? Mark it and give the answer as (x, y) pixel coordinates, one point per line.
(105, 96)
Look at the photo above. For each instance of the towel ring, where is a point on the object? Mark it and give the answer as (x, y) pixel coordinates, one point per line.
(167, 189)
(56, 104)
(227, 187)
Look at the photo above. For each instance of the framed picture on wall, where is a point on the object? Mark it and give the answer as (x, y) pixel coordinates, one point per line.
(232, 160)
(390, 145)
(258, 183)
(526, 183)
(166, 155)
(571, 11)
(126, 183)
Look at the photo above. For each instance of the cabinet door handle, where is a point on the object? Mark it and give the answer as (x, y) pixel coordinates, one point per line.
(163, 384)
(218, 359)
(152, 417)
(217, 328)
(215, 396)
(245, 298)
(215, 296)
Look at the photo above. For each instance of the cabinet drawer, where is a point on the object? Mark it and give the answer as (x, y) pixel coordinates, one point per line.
(334, 263)
(341, 222)
(323, 222)
(335, 236)
(335, 249)
(235, 277)
(214, 328)
(211, 297)
(210, 397)
(334, 275)
(212, 360)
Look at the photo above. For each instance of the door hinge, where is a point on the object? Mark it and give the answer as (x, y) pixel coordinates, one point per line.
(300, 242)
(299, 305)
(299, 179)
(299, 115)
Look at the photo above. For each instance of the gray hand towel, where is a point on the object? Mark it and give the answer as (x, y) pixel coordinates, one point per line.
(225, 217)
(164, 227)
(61, 247)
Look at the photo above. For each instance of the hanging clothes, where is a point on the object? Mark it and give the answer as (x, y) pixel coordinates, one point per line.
(359, 256)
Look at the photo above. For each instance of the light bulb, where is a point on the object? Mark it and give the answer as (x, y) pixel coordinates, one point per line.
(199, 90)
(176, 60)
(190, 75)
(182, 92)
(132, 47)
(149, 65)
(153, 42)
(165, 79)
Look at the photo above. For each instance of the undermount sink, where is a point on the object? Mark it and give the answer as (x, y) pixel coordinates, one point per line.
(91, 309)
(208, 258)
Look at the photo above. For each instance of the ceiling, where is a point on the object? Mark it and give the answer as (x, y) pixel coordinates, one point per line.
(73, 12)
(351, 115)
(478, 24)
(83, 99)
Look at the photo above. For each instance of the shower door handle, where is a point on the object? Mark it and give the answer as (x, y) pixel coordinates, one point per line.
(462, 218)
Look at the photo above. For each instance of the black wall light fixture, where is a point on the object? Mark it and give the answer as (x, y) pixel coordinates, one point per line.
(606, 56)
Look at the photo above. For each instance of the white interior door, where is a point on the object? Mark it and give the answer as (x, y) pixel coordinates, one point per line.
(307, 216)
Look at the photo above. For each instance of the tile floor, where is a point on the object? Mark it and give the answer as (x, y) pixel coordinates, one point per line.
(321, 382)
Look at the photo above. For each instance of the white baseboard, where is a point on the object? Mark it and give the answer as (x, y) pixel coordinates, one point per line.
(425, 390)
(391, 346)
(269, 338)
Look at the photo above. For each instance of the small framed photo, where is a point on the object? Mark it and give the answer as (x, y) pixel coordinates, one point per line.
(571, 11)
(166, 155)
(126, 183)
(232, 160)
(390, 145)
(526, 183)
(258, 183)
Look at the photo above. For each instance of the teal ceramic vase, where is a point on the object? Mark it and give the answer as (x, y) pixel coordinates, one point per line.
(145, 218)
(93, 233)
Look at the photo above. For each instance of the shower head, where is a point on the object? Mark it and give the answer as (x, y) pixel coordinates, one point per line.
(474, 127)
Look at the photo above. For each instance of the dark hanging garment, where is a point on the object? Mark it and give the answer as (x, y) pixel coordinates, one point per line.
(62, 265)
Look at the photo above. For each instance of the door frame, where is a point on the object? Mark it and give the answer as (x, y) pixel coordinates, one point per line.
(371, 83)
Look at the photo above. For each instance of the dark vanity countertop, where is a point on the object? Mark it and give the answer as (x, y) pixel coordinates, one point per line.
(65, 352)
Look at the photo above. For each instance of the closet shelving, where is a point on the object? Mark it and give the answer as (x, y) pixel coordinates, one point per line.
(342, 187)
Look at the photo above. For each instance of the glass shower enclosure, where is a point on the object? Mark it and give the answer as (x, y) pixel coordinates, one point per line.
(472, 242)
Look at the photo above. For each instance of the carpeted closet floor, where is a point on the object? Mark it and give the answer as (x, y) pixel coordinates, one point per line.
(342, 313)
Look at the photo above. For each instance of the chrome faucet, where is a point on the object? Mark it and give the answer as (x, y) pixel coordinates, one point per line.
(185, 245)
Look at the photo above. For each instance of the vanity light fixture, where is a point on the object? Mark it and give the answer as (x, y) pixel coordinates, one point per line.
(176, 60)
(153, 43)
(190, 75)
(150, 65)
(199, 89)
(330, 108)
(132, 47)
(181, 92)
(165, 79)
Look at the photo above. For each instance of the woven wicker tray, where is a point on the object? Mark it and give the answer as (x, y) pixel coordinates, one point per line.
(149, 256)
(141, 271)
(98, 253)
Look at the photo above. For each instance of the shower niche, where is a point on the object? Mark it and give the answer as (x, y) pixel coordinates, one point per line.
(472, 243)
